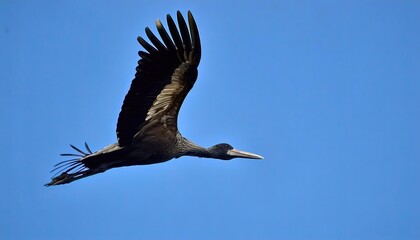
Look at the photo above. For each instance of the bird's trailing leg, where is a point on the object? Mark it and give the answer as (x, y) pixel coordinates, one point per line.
(65, 177)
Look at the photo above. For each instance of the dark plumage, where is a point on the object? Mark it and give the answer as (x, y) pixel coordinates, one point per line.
(147, 129)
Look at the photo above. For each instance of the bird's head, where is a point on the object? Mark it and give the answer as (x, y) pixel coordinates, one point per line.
(225, 151)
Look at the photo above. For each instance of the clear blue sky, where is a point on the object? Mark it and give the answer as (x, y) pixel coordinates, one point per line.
(327, 91)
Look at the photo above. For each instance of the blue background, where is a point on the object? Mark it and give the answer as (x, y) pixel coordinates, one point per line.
(327, 91)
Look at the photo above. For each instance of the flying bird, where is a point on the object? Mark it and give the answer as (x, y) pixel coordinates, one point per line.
(147, 129)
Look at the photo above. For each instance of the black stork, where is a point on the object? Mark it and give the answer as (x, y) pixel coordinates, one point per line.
(147, 129)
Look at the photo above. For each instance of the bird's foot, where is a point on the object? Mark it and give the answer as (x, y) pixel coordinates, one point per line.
(63, 178)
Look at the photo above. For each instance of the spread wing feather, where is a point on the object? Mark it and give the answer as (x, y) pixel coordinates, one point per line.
(165, 73)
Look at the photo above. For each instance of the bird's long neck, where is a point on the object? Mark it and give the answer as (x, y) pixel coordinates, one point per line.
(192, 149)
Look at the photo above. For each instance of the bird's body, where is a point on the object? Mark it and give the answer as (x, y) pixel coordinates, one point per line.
(147, 129)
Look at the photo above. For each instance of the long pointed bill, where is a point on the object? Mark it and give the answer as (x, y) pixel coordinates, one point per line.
(243, 154)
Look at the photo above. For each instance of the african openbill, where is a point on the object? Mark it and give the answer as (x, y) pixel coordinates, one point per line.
(147, 129)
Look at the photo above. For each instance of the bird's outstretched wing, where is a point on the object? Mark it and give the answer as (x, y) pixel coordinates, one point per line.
(165, 74)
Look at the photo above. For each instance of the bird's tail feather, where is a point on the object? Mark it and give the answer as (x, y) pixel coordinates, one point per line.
(85, 164)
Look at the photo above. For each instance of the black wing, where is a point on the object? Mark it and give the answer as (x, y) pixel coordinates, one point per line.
(165, 74)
